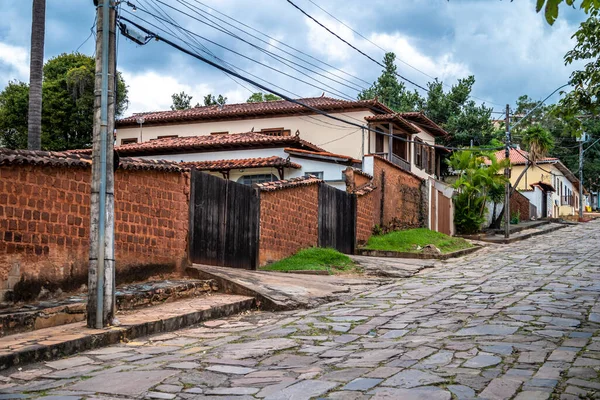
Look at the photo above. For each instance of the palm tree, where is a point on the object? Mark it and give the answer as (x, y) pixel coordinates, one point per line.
(36, 65)
(539, 142)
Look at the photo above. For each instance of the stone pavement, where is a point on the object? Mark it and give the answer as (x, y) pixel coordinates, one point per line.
(515, 321)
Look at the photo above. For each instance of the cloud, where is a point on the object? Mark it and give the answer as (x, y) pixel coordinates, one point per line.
(441, 66)
(14, 62)
(151, 91)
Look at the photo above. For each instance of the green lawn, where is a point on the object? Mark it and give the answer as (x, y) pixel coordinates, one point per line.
(315, 259)
(407, 241)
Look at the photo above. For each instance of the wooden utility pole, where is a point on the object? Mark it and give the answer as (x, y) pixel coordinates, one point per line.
(36, 67)
(507, 175)
(101, 274)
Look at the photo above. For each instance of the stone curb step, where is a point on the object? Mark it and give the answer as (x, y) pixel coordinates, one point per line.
(525, 236)
(59, 342)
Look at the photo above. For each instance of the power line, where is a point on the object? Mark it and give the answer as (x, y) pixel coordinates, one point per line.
(365, 54)
(239, 54)
(267, 52)
(291, 100)
(208, 16)
(282, 43)
(341, 137)
(158, 9)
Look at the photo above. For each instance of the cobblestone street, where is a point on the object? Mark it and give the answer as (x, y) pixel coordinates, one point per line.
(517, 321)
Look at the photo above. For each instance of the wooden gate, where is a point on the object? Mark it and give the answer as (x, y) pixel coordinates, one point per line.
(444, 216)
(337, 219)
(224, 221)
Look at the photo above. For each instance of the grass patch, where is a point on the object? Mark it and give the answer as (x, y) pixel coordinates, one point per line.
(410, 240)
(315, 259)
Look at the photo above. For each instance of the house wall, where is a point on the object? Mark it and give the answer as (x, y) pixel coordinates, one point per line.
(535, 197)
(425, 136)
(332, 172)
(399, 196)
(45, 222)
(519, 204)
(289, 220)
(547, 173)
(316, 129)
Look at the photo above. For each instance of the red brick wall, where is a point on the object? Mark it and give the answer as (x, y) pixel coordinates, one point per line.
(289, 221)
(365, 217)
(44, 224)
(402, 195)
(519, 203)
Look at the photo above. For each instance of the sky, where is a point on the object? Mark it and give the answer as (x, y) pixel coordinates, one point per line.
(507, 46)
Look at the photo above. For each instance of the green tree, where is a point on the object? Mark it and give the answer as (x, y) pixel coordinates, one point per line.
(478, 182)
(67, 107)
(260, 97)
(550, 7)
(390, 91)
(181, 101)
(210, 100)
(14, 103)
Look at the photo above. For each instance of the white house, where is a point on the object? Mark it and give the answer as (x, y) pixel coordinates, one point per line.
(400, 137)
(247, 158)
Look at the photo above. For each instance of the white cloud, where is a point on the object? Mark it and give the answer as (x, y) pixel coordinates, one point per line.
(324, 43)
(14, 62)
(151, 91)
(441, 66)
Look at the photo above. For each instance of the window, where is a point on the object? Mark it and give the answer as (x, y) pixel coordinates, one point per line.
(378, 143)
(318, 174)
(219, 133)
(275, 132)
(128, 141)
(259, 178)
(167, 136)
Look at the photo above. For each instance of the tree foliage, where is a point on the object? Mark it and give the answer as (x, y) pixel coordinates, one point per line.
(539, 142)
(259, 97)
(550, 7)
(210, 100)
(181, 101)
(67, 107)
(453, 110)
(478, 182)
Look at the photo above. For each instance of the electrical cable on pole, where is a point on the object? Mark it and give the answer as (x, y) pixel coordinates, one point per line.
(507, 175)
(153, 35)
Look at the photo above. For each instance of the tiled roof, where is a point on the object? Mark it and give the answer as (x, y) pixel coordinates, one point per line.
(519, 157)
(79, 160)
(322, 154)
(213, 142)
(397, 118)
(545, 186)
(249, 110)
(288, 183)
(421, 119)
(365, 189)
(224, 165)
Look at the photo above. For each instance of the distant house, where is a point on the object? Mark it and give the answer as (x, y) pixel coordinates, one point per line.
(247, 158)
(402, 138)
(549, 185)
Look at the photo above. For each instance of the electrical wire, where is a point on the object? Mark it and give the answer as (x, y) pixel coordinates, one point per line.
(89, 36)
(332, 90)
(291, 100)
(385, 51)
(210, 17)
(341, 137)
(276, 57)
(362, 52)
(280, 42)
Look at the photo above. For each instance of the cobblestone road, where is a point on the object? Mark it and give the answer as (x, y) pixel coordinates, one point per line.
(518, 321)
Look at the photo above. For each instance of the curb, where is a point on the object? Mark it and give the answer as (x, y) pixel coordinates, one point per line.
(418, 256)
(113, 335)
(525, 236)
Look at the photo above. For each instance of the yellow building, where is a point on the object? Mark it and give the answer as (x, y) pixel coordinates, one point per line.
(549, 185)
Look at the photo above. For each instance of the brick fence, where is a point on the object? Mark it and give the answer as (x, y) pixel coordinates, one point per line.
(519, 203)
(289, 219)
(45, 220)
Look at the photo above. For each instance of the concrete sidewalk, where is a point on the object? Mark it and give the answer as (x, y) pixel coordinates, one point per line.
(59, 341)
(281, 291)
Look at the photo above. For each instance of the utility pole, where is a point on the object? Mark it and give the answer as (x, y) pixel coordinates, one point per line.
(581, 176)
(101, 273)
(507, 175)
